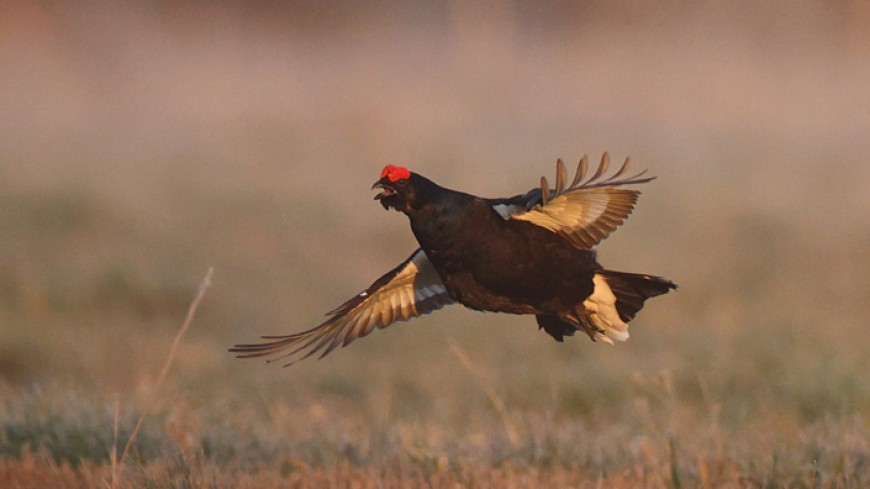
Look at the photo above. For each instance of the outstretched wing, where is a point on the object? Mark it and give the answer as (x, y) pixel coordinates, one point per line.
(407, 291)
(584, 212)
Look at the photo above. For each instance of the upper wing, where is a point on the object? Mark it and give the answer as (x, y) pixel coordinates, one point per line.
(584, 212)
(409, 290)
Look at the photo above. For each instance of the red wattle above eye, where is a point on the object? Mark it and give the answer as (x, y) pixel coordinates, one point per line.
(394, 173)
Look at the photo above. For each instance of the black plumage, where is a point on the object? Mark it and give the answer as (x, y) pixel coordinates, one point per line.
(527, 254)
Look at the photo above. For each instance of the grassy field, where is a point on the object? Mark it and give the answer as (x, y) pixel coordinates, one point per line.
(144, 143)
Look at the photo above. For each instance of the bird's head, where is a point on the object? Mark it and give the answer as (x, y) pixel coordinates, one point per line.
(399, 188)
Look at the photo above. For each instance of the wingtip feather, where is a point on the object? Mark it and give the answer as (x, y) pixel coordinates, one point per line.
(582, 166)
(545, 191)
(561, 176)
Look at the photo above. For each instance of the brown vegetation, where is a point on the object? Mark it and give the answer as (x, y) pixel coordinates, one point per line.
(142, 143)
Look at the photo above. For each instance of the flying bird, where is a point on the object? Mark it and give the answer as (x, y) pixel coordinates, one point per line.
(527, 254)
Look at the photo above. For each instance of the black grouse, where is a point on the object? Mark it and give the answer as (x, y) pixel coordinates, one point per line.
(527, 254)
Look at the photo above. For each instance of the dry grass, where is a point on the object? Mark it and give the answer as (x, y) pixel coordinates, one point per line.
(118, 464)
(143, 143)
(654, 441)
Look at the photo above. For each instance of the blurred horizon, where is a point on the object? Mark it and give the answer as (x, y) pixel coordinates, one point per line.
(143, 142)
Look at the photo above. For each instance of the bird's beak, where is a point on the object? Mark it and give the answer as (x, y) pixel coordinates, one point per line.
(386, 188)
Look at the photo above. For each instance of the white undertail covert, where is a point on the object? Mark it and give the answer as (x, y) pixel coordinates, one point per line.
(601, 310)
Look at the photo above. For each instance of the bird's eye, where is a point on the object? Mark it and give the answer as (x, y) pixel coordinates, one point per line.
(402, 181)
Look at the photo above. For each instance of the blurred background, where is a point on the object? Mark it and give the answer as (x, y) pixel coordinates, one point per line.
(143, 142)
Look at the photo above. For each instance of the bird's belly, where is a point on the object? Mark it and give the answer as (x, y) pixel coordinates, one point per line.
(472, 294)
(519, 284)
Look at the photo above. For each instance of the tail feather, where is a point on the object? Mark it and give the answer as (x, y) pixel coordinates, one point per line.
(615, 300)
(632, 289)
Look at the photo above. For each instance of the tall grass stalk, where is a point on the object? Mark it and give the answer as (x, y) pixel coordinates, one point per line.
(113, 454)
(118, 469)
(494, 398)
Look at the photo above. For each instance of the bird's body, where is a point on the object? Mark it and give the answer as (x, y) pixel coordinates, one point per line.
(489, 263)
(527, 254)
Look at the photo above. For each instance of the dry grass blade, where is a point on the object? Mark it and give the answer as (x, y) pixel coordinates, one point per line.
(494, 398)
(113, 455)
(206, 282)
